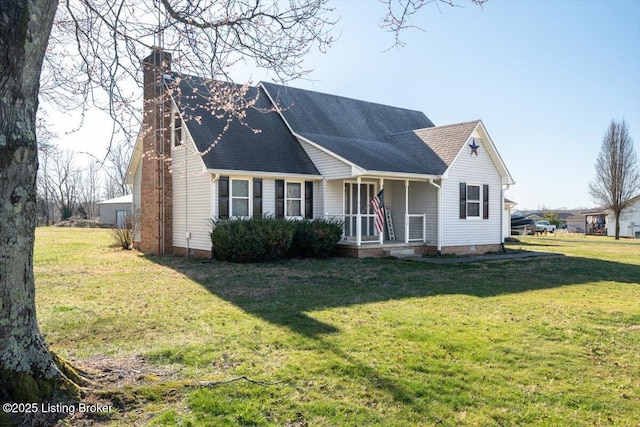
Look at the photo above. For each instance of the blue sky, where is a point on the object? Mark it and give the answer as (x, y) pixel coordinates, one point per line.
(545, 77)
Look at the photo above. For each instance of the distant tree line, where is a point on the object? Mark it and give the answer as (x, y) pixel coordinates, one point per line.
(66, 188)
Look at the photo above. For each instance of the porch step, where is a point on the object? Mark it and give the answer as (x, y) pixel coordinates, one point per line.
(399, 252)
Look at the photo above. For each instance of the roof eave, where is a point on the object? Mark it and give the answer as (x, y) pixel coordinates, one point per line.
(399, 175)
(265, 174)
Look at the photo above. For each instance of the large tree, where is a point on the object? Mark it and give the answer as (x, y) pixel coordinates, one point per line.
(617, 172)
(96, 46)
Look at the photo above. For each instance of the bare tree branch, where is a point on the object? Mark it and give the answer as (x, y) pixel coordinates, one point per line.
(399, 13)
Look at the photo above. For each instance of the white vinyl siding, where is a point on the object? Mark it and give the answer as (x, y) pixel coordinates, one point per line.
(317, 199)
(191, 197)
(394, 197)
(327, 165)
(137, 200)
(477, 170)
(334, 199)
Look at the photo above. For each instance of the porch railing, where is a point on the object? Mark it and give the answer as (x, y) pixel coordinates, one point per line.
(416, 227)
(368, 234)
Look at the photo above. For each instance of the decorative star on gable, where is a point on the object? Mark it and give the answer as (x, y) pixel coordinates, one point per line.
(474, 147)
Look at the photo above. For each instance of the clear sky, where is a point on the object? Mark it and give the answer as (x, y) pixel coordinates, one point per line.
(545, 77)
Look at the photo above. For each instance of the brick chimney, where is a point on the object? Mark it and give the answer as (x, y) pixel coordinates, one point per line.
(156, 216)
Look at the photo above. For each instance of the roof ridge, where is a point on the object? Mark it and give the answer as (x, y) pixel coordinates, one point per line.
(451, 125)
(341, 96)
(435, 127)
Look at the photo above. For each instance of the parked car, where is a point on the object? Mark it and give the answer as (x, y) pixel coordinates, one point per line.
(545, 226)
(521, 225)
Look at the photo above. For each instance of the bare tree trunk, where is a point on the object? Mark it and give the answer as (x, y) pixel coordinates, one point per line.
(28, 371)
(618, 214)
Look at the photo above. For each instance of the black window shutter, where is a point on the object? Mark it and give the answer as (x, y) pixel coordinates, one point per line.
(257, 197)
(308, 199)
(463, 200)
(279, 198)
(223, 197)
(485, 201)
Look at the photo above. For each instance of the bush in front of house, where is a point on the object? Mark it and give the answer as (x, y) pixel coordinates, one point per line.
(269, 239)
(316, 238)
(250, 240)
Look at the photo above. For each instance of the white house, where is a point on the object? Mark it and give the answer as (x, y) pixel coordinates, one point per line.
(629, 220)
(303, 154)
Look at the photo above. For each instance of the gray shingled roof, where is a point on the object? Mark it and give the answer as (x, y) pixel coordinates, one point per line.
(444, 142)
(273, 149)
(373, 136)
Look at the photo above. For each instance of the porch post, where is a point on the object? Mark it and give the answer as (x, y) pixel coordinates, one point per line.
(406, 211)
(384, 219)
(358, 216)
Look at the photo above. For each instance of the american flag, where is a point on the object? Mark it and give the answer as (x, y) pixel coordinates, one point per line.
(377, 203)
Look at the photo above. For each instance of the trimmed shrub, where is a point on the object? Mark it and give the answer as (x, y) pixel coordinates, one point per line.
(316, 238)
(269, 239)
(251, 240)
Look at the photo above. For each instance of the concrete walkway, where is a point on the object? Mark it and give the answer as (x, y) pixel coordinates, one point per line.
(482, 258)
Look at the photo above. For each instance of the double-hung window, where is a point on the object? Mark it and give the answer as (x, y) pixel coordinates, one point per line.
(239, 198)
(294, 200)
(473, 201)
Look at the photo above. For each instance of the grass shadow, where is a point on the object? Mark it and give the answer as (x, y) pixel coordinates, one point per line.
(287, 293)
(283, 293)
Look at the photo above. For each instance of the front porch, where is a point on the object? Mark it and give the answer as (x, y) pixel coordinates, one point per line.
(410, 216)
(388, 248)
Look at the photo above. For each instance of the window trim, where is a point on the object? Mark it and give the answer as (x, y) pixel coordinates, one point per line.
(301, 199)
(248, 198)
(476, 201)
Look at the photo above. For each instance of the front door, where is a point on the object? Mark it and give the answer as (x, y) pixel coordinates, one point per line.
(352, 206)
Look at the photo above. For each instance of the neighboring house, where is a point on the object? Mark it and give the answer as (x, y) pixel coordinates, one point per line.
(506, 218)
(302, 154)
(116, 212)
(629, 220)
(536, 216)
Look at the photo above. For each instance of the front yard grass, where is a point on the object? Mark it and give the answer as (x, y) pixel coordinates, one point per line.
(344, 342)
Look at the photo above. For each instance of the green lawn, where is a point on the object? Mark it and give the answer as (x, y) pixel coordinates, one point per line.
(341, 342)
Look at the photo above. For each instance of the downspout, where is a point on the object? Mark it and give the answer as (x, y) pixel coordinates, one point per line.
(438, 219)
